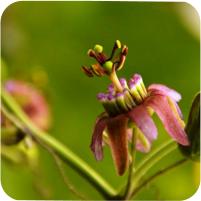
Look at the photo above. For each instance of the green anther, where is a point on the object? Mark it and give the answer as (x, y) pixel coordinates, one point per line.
(98, 48)
(118, 43)
(108, 66)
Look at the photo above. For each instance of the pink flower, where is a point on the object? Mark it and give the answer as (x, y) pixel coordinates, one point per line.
(130, 105)
(31, 100)
(159, 98)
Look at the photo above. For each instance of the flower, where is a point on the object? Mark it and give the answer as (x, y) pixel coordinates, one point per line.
(130, 105)
(31, 100)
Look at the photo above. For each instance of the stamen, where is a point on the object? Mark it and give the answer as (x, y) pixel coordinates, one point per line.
(97, 70)
(111, 89)
(117, 45)
(87, 71)
(123, 55)
(134, 92)
(128, 99)
(113, 104)
(123, 83)
(103, 99)
(121, 102)
(125, 50)
(137, 80)
(92, 53)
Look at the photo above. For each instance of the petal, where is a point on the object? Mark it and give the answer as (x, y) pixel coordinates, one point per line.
(117, 132)
(164, 90)
(142, 144)
(176, 110)
(143, 121)
(97, 137)
(140, 147)
(161, 106)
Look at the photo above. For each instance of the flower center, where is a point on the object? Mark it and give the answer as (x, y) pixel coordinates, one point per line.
(116, 102)
(121, 96)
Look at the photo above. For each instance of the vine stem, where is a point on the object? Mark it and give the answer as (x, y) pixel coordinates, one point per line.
(150, 160)
(62, 151)
(157, 174)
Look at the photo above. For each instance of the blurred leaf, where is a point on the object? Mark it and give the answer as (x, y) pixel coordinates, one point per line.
(193, 131)
(3, 69)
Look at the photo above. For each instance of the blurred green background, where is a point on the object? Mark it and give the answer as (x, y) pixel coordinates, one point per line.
(46, 43)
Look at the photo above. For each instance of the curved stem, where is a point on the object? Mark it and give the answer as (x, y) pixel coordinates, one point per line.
(62, 151)
(157, 174)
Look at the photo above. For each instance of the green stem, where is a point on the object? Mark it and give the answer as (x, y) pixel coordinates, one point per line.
(62, 151)
(150, 160)
(133, 154)
(156, 175)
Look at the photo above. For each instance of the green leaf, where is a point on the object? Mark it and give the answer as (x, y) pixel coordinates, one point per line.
(193, 131)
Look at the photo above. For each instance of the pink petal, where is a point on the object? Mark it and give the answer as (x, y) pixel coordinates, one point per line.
(163, 90)
(141, 148)
(178, 110)
(143, 121)
(32, 102)
(172, 125)
(139, 145)
(97, 137)
(117, 132)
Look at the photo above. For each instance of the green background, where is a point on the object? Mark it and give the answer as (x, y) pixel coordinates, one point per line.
(46, 43)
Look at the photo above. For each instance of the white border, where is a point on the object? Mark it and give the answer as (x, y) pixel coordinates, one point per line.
(194, 3)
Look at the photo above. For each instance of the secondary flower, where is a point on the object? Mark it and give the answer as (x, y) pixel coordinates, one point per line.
(130, 105)
(31, 100)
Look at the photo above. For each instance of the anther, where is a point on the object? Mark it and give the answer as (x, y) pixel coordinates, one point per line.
(98, 48)
(121, 101)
